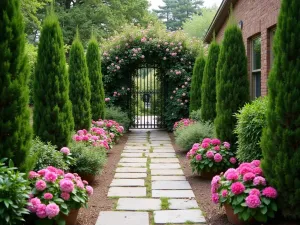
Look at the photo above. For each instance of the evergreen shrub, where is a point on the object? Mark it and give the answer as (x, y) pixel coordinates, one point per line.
(116, 114)
(196, 115)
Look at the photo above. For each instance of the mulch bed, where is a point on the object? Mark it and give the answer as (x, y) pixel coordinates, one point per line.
(213, 214)
(99, 200)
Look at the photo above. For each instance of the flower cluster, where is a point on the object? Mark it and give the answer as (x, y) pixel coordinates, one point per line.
(55, 192)
(246, 190)
(183, 123)
(211, 155)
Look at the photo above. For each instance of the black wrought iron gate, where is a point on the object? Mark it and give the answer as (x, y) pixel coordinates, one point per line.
(147, 98)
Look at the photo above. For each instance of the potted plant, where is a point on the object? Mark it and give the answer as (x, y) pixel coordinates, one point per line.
(210, 157)
(245, 194)
(56, 197)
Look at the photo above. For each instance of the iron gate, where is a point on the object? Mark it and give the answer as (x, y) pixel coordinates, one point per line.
(147, 98)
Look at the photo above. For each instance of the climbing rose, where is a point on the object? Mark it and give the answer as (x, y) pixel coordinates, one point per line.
(254, 191)
(40, 185)
(237, 188)
(50, 177)
(218, 157)
(248, 176)
(65, 196)
(253, 201)
(259, 181)
(65, 150)
(209, 154)
(48, 196)
(66, 185)
(269, 192)
(52, 210)
(41, 211)
(215, 198)
(89, 190)
(198, 157)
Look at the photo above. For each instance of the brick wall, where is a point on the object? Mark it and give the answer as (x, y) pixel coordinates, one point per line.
(259, 17)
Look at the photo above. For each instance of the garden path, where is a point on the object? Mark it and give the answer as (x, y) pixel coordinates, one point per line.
(150, 185)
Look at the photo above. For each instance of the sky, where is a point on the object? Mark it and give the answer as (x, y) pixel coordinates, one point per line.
(207, 3)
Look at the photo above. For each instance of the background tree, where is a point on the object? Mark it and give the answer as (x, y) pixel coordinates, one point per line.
(15, 132)
(280, 141)
(232, 82)
(195, 93)
(208, 88)
(95, 75)
(52, 119)
(80, 87)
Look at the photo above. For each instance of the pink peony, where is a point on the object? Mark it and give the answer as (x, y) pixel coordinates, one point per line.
(231, 175)
(232, 160)
(256, 163)
(237, 188)
(89, 190)
(226, 145)
(217, 148)
(205, 145)
(33, 203)
(196, 146)
(248, 176)
(66, 185)
(85, 182)
(224, 193)
(50, 177)
(258, 171)
(40, 185)
(41, 211)
(32, 175)
(52, 210)
(244, 169)
(209, 154)
(65, 150)
(259, 181)
(42, 172)
(254, 191)
(218, 157)
(206, 140)
(198, 157)
(215, 198)
(215, 180)
(52, 169)
(69, 176)
(65, 196)
(80, 184)
(48, 196)
(269, 192)
(253, 201)
(215, 141)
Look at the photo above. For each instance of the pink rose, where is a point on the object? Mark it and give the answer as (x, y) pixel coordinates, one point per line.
(232, 160)
(65, 150)
(226, 145)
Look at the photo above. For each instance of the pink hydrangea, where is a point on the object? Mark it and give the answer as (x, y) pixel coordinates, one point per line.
(41, 211)
(253, 201)
(48, 196)
(259, 181)
(50, 177)
(226, 145)
(65, 196)
(89, 190)
(198, 157)
(215, 180)
(40, 185)
(80, 184)
(217, 148)
(232, 160)
(85, 182)
(65, 150)
(66, 185)
(215, 198)
(269, 192)
(69, 176)
(256, 163)
(206, 140)
(245, 169)
(224, 193)
(33, 175)
(237, 188)
(52, 169)
(232, 175)
(209, 154)
(33, 203)
(215, 141)
(196, 146)
(254, 191)
(218, 157)
(258, 171)
(52, 210)
(248, 176)
(205, 145)
(42, 172)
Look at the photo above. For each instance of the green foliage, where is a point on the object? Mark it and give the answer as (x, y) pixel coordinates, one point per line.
(196, 115)
(251, 120)
(31, 51)
(195, 94)
(42, 155)
(198, 25)
(88, 159)
(15, 132)
(95, 75)
(80, 88)
(280, 141)
(194, 133)
(14, 193)
(232, 83)
(116, 114)
(52, 119)
(208, 88)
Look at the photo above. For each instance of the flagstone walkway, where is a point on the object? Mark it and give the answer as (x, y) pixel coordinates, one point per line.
(150, 185)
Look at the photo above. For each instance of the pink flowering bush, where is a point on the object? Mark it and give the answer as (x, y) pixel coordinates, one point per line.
(246, 190)
(182, 123)
(211, 155)
(55, 192)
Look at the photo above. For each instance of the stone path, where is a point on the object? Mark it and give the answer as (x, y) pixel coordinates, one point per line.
(150, 185)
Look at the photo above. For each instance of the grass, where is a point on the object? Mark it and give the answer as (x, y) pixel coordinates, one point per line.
(148, 179)
(165, 204)
(151, 149)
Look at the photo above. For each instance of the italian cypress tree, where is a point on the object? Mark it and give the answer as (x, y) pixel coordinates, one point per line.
(15, 130)
(52, 119)
(232, 85)
(195, 93)
(280, 140)
(80, 88)
(97, 88)
(208, 89)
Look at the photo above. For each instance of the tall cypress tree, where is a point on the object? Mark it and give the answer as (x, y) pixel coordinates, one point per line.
(97, 88)
(80, 88)
(195, 93)
(52, 119)
(15, 130)
(280, 141)
(232, 82)
(208, 89)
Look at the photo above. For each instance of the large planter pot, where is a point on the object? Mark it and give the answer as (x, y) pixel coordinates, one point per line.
(234, 219)
(71, 218)
(88, 177)
(208, 175)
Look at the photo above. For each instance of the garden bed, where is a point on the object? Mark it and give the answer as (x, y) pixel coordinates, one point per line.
(100, 201)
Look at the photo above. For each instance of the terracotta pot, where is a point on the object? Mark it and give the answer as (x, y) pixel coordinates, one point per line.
(208, 175)
(234, 219)
(72, 217)
(88, 177)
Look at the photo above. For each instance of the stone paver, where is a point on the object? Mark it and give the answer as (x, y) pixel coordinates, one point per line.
(123, 218)
(165, 166)
(137, 147)
(167, 172)
(134, 160)
(163, 150)
(131, 170)
(130, 175)
(132, 155)
(183, 204)
(162, 155)
(127, 183)
(139, 204)
(164, 160)
(171, 185)
(127, 192)
(173, 193)
(136, 151)
(178, 216)
(168, 178)
(132, 164)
